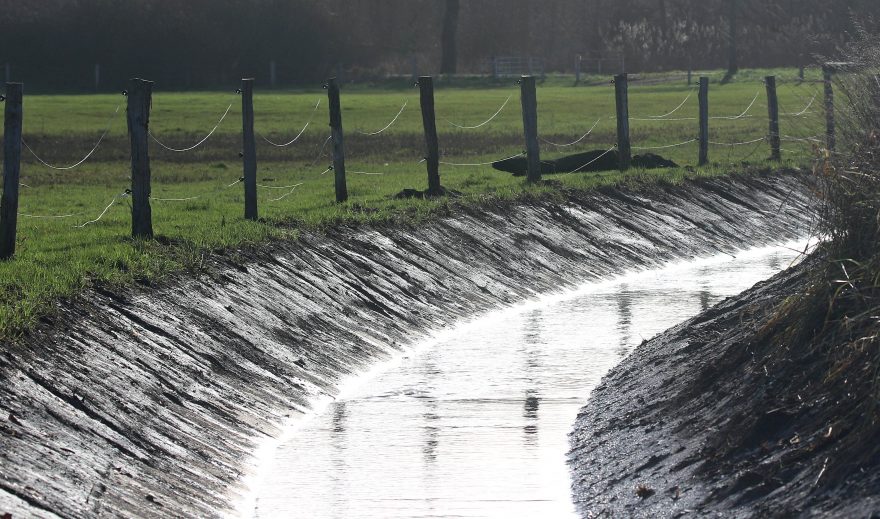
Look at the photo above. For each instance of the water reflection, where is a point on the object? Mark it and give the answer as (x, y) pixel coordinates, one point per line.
(623, 299)
(476, 426)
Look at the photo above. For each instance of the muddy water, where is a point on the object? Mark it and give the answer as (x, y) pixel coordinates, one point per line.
(475, 423)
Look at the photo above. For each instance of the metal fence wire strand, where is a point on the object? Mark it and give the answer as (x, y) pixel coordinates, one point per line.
(676, 109)
(584, 136)
(389, 125)
(196, 197)
(300, 134)
(285, 195)
(196, 145)
(745, 112)
(116, 200)
(89, 154)
(487, 121)
(609, 150)
(456, 164)
(640, 148)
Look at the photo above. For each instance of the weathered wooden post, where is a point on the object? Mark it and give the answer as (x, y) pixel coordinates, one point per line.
(11, 169)
(140, 98)
(830, 124)
(338, 140)
(577, 70)
(773, 112)
(249, 149)
(529, 100)
(429, 121)
(621, 92)
(97, 76)
(704, 121)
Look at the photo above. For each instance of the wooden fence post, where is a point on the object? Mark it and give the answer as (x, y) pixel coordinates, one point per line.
(577, 70)
(704, 121)
(140, 98)
(338, 140)
(429, 121)
(773, 112)
(249, 149)
(11, 169)
(529, 100)
(621, 92)
(830, 124)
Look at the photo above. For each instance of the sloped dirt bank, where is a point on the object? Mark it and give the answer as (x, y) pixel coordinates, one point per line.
(728, 415)
(150, 403)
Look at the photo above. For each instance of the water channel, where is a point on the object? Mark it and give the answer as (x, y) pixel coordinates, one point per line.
(476, 422)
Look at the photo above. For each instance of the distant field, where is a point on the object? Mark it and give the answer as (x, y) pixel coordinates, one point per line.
(56, 258)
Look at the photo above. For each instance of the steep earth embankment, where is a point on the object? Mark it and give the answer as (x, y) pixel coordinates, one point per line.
(731, 415)
(150, 402)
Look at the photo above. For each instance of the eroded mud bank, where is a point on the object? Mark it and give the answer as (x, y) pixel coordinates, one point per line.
(150, 402)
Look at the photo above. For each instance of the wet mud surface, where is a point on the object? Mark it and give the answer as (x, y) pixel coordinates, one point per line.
(697, 422)
(151, 402)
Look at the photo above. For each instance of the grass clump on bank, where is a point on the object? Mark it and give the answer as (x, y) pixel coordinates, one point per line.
(819, 356)
(58, 258)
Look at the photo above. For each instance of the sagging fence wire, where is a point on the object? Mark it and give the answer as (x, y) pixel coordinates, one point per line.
(285, 195)
(196, 197)
(300, 134)
(584, 136)
(744, 114)
(590, 163)
(454, 164)
(196, 145)
(805, 110)
(389, 125)
(321, 151)
(734, 144)
(676, 109)
(641, 148)
(116, 199)
(487, 121)
(109, 126)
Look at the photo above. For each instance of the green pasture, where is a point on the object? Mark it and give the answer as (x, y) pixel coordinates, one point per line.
(60, 252)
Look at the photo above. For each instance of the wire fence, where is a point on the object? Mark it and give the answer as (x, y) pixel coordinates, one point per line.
(799, 131)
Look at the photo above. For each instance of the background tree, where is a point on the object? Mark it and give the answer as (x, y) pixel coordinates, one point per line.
(449, 59)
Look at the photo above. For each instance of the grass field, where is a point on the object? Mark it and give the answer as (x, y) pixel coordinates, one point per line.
(58, 257)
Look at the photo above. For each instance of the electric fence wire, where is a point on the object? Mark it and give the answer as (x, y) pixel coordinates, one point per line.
(196, 197)
(115, 201)
(590, 163)
(321, 151)
(300, 134)
(455, 164)
(676, 109)
(89, 154)
(742, 115)
(640, 148)
(733, 144)
(804, 111)
(487, 121)
(285, 195)
(196, 145)
(584, 136)
(389, 125)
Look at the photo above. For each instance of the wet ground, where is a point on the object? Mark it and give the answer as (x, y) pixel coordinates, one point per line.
(476, 422)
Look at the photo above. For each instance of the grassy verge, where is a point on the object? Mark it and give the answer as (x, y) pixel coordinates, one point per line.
(59, 257)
